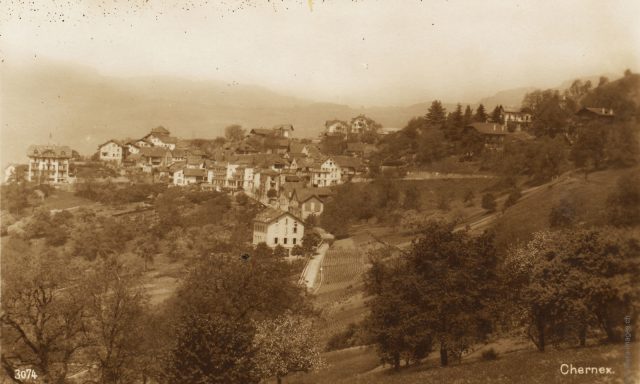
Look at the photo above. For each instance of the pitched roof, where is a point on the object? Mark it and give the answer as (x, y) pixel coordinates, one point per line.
(489, 128)
(179, 153)
(283, 127)
(347, 161)
(160, 130)
(314, 151)
(197, 172)
(117, 142)
(295, 147)
(153, 151)
(168, 139)
(600, 111)
(50, 151)
(261, 132)
(194, 160)
(329, 123)
(271, 214)
(304, 194)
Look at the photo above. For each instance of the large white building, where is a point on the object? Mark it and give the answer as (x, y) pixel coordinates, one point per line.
(326, 173)
(275, 227)
(112, 150)
(49, 163)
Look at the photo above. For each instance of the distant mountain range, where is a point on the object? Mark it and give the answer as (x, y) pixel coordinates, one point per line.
(81, 108)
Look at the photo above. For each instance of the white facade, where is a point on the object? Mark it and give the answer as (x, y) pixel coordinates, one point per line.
(160, 141)
(111, 151)
(286, 230)
(327, 175)
(49, 164)
(132, 149)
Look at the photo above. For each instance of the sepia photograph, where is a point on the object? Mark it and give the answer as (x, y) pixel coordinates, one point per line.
(319, 191)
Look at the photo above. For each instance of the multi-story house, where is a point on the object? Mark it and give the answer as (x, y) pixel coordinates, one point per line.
(217, 175)
(275, 227)
(326, 173)
(49, 163)
(515, 120)
(189, 176)
(336, 127)
(306, 202)
(161, 137)
(112, 150)
(154, 157)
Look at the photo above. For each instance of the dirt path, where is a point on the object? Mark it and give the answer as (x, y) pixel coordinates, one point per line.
(313, 270)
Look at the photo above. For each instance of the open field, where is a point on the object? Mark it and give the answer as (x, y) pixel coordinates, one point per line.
(522, 364)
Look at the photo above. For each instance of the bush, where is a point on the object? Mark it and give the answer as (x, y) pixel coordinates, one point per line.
(489, 354)
(563, 215)
(468, 197)
(297, 250)
(623, 204)
(513, 198)
(352, 336)
(489, 202)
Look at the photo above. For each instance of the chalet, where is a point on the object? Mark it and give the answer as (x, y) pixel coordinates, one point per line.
(494, 135)
(515, 120)
(601, 114)
(349, 166)
(305, 202)
(283, 130)
(326, 173)
(49, 163)
(275, 227)
(336, 127)
(359, 124)
(160, 137)
(112, 150)
(154, 157)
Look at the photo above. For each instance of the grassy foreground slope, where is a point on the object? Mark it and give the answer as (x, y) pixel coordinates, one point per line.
(359, 366)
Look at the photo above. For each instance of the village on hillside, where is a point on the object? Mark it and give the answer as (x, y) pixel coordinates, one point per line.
(319, 192)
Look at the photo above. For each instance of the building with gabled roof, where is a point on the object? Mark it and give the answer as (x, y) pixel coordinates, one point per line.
(305, 202)
(600, 113)
(276, 227)
(112, 150)
(49, 163)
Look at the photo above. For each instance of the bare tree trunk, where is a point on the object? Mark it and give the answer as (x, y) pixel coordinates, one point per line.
(444, 358)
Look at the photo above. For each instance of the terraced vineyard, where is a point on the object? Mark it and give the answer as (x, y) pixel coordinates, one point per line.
(340, 296)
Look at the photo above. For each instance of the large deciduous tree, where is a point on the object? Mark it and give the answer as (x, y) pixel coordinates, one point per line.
(442, 292)
(234, 133)
(285, 345)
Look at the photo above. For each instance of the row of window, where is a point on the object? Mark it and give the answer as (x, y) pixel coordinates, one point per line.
(284, 240)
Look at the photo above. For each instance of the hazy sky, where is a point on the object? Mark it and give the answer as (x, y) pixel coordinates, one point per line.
(355, 52)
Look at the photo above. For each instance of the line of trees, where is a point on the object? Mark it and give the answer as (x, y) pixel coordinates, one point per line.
(451, 292)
